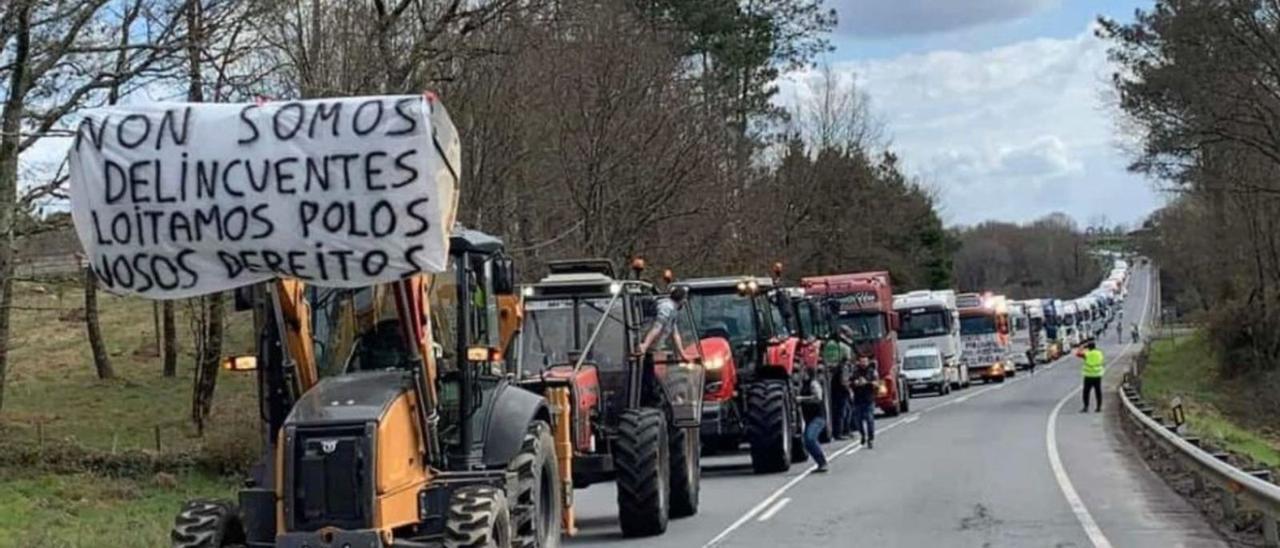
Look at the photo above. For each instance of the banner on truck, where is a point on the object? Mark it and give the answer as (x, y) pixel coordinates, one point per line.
(174, 200)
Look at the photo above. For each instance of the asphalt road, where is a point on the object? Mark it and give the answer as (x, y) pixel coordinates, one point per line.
(1013, 464)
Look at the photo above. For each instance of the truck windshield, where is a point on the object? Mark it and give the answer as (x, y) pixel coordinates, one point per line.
(557, 331)
(921, 362)
(977, 325)
(923, 323)
(866, 327)
(724, 315)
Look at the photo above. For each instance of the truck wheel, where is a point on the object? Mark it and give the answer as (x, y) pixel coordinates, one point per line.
(478, 518)
(205, 523)
(641, 458)
(769, 427)
(537, 504)
(686, 471)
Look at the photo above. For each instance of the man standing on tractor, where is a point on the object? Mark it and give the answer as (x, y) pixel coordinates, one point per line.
(812, 404)
(838, 354)
(665, 321)
(865, 381)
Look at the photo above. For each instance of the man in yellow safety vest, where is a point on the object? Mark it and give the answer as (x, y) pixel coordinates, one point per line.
(1093, 370)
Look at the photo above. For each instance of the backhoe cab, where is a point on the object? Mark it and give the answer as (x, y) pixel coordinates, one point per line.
(635, 417)
(390, 421)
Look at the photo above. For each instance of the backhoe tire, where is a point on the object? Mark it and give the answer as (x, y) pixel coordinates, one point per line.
(643, 465)
(536, 506)
(206, 523)
(478, 518)
(686, 471)
(769, 427)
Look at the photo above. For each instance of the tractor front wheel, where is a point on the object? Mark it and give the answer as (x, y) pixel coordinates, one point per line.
(642, 462)
(769, 427)
(478, 517)
(207, 524)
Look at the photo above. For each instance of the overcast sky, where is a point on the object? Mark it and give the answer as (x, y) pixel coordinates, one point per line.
(1002, 104)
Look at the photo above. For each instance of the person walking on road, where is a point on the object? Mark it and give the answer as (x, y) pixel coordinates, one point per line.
(1093, 370)
(865, 380)
(838, 354)
(812, 403)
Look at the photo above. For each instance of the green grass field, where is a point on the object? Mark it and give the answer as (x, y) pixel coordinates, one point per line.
(1183, 367)
(53, 396)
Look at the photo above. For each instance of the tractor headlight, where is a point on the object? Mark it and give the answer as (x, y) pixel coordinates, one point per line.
(714, 364)
(881, 389)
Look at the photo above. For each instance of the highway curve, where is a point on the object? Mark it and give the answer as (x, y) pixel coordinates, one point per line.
(1013, 464)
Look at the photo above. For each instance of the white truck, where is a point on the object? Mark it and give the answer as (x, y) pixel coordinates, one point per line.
(1029, 333)
(1019, 335)
(1068, 325)
(931, 319)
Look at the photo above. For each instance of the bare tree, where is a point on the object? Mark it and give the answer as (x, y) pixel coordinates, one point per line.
(58, 57)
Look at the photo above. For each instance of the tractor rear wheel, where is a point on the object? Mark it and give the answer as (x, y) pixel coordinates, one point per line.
(769, 427)
(643, 465)
(686, 471)
(205, 523)
(478, 518)
(536, 506)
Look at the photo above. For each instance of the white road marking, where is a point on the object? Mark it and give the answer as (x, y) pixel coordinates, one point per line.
(1078, 507)
(765, 516)
(846, 450)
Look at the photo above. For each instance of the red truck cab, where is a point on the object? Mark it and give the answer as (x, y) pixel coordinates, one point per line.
(864, 302)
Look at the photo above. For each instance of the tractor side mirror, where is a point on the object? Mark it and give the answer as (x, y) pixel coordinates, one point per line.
(895, 321)
(243, 297)
(504, 276)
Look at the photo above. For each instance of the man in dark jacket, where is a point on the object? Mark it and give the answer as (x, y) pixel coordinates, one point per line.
(865, 381)
(812, 404)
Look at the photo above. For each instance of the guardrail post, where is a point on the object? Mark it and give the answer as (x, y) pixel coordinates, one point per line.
(1228, 505)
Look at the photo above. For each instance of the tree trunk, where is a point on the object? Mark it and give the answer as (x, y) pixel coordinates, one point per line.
(10, 127)
(170, 348)
(210, 359)
(101, 361)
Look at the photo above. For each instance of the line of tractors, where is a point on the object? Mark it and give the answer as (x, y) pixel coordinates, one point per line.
(460, 409)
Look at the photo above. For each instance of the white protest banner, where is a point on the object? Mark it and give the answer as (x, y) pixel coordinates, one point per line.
(174, 200)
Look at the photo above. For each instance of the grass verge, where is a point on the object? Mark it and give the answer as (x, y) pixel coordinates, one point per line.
(1182, 367)
(57, 510)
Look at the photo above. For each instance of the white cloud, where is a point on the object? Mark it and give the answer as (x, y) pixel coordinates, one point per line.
(880, 18)
(1010, 133)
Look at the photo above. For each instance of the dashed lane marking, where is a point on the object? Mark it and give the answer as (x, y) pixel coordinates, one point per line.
(774, 510)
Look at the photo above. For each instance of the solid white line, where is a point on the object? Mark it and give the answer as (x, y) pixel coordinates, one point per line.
(1091, 528)
(848, 449)
(765, 516)
(911, 419)
(1078, 507)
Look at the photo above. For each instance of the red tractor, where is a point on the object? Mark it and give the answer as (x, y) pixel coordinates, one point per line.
(634, 418)
(752, 392)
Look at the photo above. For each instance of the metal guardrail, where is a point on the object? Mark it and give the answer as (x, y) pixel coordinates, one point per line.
(1236, 484)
